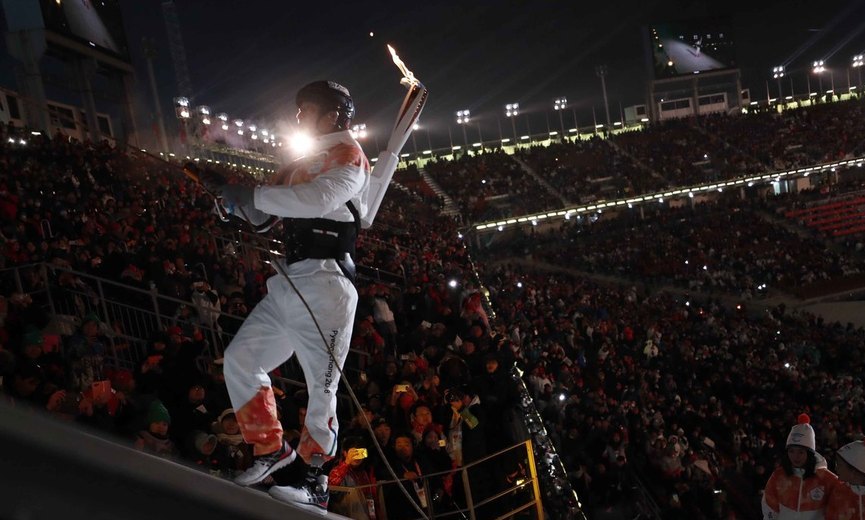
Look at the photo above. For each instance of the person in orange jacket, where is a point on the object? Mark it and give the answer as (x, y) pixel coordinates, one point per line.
(800, 488)
(847, 500)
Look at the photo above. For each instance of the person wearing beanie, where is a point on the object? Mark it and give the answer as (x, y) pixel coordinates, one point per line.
(155, 438)
(202, 453)
(847, 500)
(801, 486)
(233, 453)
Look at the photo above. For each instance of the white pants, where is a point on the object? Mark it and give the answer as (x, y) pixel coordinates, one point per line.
(278, 327)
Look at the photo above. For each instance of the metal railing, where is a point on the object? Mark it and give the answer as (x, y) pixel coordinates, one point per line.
(474, 495)
(130, 315)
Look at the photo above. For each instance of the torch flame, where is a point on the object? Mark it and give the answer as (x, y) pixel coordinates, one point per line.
(408, 76)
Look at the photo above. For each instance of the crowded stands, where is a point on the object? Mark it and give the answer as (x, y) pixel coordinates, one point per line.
(686, 398)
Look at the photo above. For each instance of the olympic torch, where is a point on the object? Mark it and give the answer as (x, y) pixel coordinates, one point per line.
(387, 161)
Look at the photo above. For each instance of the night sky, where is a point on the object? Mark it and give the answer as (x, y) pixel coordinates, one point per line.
(248, 58)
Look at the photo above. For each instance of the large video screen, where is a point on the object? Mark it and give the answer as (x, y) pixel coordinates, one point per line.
(689, 47)
(97, 23)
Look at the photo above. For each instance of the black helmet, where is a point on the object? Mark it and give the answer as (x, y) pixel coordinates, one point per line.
(329, 95)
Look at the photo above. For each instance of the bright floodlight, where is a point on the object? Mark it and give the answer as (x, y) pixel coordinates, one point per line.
(184, 113)
(818, 67)
(205, 120)
(225, 126)
(560, 103)
(359, 131)
(181, 102)
(204, 110)
(415, 126)
(301, 142)
(857, 60)
(463, 116)
(264, 133)
(252, 128)
(222, 117)
(512, 109)
(238, 123)
(778, 72)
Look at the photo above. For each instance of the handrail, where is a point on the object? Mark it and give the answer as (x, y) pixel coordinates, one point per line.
(150, 294)
(471, 508)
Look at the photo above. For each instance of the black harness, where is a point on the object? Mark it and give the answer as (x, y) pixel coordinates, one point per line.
(323, 238)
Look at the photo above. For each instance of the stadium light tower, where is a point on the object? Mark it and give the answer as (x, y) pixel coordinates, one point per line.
(224, 118)
(778, 73)
(181, 107)
(818, 68)
(559, 104)
(511, 111)
(463, 117)
(857, 64)
(601, 71)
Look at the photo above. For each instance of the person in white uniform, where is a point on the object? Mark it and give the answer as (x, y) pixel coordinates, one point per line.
(320, 199)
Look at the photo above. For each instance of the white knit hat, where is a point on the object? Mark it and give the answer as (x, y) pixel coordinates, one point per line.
(802, 434)
(854, 454)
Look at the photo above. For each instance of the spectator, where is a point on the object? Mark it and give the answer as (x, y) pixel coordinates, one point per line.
(845, 499)
(155, 439)
(410, 470)
(190, 417)
(202, 453)
(354, 471)
(206, 302)
(432, 449)
(233, 453)
(86, 350)
(421, 419)
(802, 483)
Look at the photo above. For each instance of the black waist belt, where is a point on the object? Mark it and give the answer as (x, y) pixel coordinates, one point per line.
(321, 239)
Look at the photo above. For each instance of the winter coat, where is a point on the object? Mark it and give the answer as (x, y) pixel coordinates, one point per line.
(793, 497)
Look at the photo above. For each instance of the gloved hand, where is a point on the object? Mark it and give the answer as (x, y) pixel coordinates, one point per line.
(234, 195)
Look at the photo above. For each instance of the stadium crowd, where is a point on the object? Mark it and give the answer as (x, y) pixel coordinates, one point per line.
(725, 246)
(687, 396)
(679, 152)
(430, 385)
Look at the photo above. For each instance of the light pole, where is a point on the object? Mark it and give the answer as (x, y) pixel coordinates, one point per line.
(559, 104)
(511, 111)
(857, 64)
(414, 129)
(601, 71)
(462, 120)
(181, 110)
(204, 119)
(778, 73)
(149, 54)
(818, 69)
